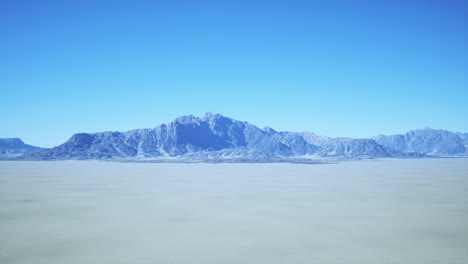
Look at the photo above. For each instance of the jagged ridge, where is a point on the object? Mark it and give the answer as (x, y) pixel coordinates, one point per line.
(220, 137)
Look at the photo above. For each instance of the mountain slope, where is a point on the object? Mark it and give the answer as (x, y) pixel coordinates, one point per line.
(351, 148)
(428, 141)
(216, 137)
(12, 147)
(187, 134)
(207, 136)
(464, 138)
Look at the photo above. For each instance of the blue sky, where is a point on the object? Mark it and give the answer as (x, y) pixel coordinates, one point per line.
(337, 68)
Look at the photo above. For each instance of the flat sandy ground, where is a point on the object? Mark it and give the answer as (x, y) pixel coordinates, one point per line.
(382, 211)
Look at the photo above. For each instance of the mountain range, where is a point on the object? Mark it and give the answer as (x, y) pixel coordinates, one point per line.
(214, 137)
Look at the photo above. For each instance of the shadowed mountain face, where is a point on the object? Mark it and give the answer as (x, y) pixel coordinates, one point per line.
(187, 134)
(12, 147)
(464, 138)
(212, 135)
(223, 138)
(427, 141)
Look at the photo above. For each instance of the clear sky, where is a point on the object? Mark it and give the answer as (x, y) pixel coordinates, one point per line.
(336, 68)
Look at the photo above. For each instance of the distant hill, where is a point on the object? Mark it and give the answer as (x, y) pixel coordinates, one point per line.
(14, 147)
(216, 137)
(428, 141)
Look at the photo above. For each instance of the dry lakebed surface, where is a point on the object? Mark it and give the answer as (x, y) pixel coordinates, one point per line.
(372, 211)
